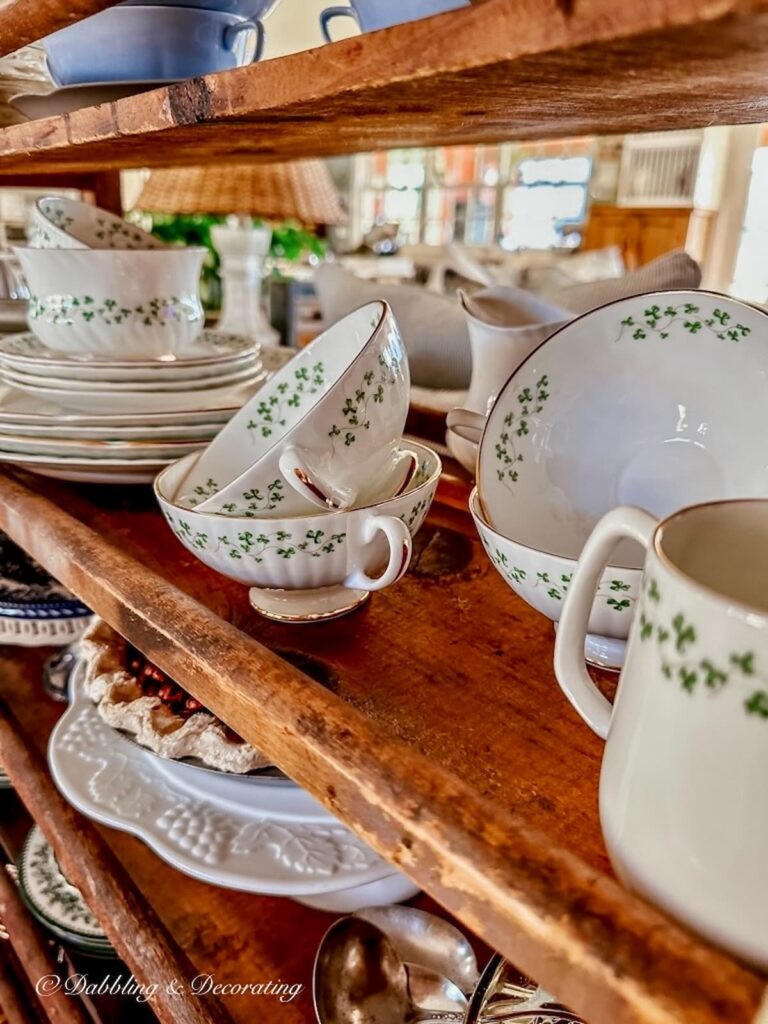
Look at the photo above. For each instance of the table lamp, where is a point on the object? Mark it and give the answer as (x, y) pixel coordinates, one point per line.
(301, 191)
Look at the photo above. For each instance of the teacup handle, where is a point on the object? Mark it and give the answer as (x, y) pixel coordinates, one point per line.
(231, 32)
(466, 424)
(400, 550)
(293, 467)
(574, 680)
(329, 14)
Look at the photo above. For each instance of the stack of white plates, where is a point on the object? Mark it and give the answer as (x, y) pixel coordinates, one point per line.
(82, 418)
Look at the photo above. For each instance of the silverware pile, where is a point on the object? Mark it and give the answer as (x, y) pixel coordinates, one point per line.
(398, 965)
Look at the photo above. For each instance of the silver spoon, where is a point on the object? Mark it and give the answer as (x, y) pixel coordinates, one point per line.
(359, 979)
(422, 938)
(432, 991)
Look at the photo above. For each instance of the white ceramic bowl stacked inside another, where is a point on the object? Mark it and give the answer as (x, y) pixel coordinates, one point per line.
(659, 401)
(118, 376)
(310, 495)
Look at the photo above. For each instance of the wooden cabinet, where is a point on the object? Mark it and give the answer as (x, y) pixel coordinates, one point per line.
(644, 233)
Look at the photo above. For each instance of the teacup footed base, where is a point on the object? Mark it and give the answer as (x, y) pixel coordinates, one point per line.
(318, 604)
(605, 652)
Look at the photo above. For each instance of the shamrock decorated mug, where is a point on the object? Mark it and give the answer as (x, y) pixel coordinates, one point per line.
(683, 780)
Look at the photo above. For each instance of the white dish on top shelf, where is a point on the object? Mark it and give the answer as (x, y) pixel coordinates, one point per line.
(215, 353)
(258, 838)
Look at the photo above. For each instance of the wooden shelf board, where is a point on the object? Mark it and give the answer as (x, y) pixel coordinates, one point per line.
(498, 70)
(437, 732)
(234, 936)
(25, 21)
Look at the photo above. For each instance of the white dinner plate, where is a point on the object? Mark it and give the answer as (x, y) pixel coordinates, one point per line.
(83, 470)
(18, 409)
(157, 435)
(241, 375)
(215, 352)
(67, 448)
(140, 403)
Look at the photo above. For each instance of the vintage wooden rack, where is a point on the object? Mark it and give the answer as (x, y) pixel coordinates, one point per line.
(429, 721)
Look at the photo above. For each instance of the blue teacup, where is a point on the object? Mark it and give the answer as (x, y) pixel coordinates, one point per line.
(123, 44)
(375, 14)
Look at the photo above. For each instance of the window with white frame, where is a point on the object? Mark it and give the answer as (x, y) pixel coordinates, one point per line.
(520, 196)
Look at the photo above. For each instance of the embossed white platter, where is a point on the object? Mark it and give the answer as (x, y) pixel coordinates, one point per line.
(258, 838)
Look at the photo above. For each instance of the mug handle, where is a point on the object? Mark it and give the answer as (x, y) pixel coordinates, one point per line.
(231, 32)
(466, 424)
(400, 551)
(574, 680)
(330, 13)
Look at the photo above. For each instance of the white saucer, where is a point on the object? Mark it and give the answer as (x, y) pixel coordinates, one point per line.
(19, 409)
(260, 848)
(73, 97)
(135, 402)
(91, 471)
(215, 352)
(98, 450)
(225, 378)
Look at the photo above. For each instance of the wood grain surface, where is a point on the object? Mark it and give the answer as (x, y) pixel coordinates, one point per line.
(433, 726)
(498, 70)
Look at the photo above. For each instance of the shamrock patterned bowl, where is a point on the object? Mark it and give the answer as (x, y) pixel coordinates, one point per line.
(323, 433)
(658, 401)
(308, 568)
(543, 579)
(115, 303)
(60, 223)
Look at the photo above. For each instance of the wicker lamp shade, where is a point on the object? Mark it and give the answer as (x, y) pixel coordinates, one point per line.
(302, 191)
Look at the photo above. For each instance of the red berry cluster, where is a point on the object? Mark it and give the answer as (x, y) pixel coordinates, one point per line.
(155, 683)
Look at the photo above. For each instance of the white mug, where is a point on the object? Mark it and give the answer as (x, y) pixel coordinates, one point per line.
(683, 780)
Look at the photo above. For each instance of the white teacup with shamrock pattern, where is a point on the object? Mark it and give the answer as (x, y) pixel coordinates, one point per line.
(682, 788)
(323, 433)
(306, 568)
(115, 303)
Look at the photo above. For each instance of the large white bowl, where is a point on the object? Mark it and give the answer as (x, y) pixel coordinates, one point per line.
(309, 567)
(61, 223)
(543, 579)
(115, 303)
(324, 431)
(659, 401)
